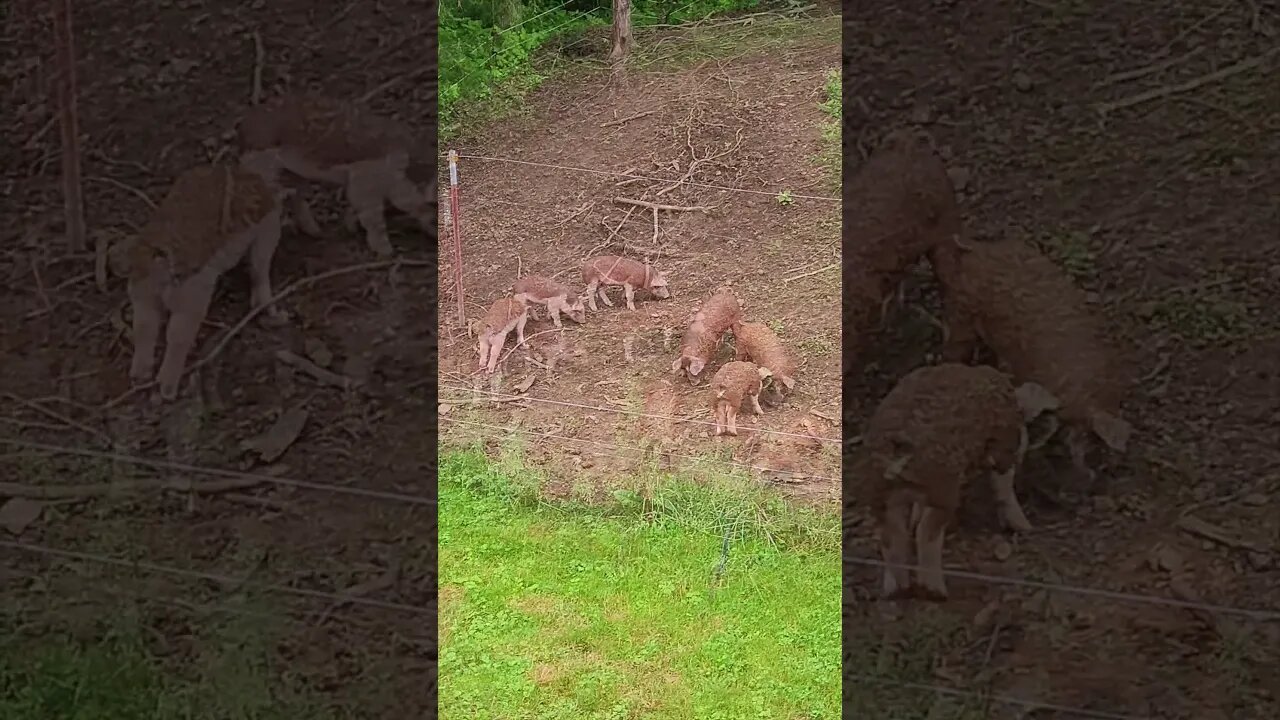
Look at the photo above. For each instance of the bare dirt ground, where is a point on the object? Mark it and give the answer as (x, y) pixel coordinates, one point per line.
(1165, 211)
(158, 93)
(734, 106)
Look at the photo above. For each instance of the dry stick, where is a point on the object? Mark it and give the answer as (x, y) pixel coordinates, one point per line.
(259, 57)
(82, 492)
(522, 342)
(249, 316)
(72, 192)
(1148, 70)
(832, 266)
(672, 208)
(1167, 90)
(327, 377)
(128, 188)
(627, 119)
(422, 70)
(59, 417)
(612, 234)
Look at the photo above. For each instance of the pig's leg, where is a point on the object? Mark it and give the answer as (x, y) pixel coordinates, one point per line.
(520, 329)
(731, 411)
(302, 215)
(261, 252)
(592, 287)
(410, 200)
(630, 292)
(721, 413)
(1011, 514)
(895, 548)
(604, 295)
(495, 350)
(366, 193)
(553, 309)
(755, 404)
(959, 336)
(148, 317)
(484, 351)
(189, 303)
(929, 537)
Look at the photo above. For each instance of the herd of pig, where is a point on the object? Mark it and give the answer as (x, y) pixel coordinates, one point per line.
(217, 214)
(941, 425)
(761, 364)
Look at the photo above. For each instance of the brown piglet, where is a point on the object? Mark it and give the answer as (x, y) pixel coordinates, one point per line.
(733, 383)
(706, 328)
(505, 315)
(212, 217)
(557, 297)
(604, 270)
(756, 342)
(939, 427)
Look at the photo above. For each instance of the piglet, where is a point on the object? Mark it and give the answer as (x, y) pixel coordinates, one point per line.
(504, 315)
(557, 297)
(733, 383)
(630, 274)
(706, 328)
(213, 216)
(756, 342)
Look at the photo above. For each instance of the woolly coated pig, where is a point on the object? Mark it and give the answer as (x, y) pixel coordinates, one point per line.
(706, 328)
(756, 342)
(1006, 295)
(938, 428)
(504, 315)
(604, 270)
(733, 383)
(557, 297)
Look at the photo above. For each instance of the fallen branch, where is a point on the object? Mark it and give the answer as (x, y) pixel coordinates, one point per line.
(627, 119)
(259, 57)
(253, 313)
(327, 377)
(1194, 83)
(657, 206)
(72, 190)
(54, 414)
(832, 266)
(1148, 70)
(83, 492)
(128, 188)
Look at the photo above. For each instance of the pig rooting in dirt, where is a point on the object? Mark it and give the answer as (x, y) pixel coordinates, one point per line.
(706, 328)
(602, 271)
(733, 383)
(212, 217)
(557, 297)
(1006, 295)
(504, 315)
(938, 428)
(756, 342)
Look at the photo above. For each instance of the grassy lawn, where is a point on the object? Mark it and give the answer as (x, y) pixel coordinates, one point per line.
(632, 611)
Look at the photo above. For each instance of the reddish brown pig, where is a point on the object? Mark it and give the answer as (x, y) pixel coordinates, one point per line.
(504, 315)
(557, 297)
(756, 342)
(604, 270)
(706, 328)
(733, 383)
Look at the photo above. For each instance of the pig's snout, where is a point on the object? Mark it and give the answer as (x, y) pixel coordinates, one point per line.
(662, 292)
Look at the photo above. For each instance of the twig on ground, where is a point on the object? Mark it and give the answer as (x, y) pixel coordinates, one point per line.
(253, 313)
(91, 490)
(1167, 90)
(54, 414)
(128, 188)
(327, 377)
(1147, 70)
(423, 69)
(385, 581)
(824, 416)
(259, 58)
(832, 266)
(627, 119)
(672, 208)
(44, 297)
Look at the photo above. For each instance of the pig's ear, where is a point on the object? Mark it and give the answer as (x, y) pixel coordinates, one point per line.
(788, 382)
(696, 365)
(764, 372)
(677, 364)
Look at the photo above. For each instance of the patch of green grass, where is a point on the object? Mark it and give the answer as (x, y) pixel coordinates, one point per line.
(829, 158)
(1073, 253)
(1203, 318)
(632, 609)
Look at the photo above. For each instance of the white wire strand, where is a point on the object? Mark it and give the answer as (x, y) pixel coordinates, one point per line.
(770, 193)
(217, 472)
(1002, 699)
(534, 433)
(634, 413)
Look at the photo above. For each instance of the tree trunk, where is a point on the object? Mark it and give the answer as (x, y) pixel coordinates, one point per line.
(621, 30)
(72, 197)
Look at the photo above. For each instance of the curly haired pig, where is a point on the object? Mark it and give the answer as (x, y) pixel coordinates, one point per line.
(939, 427)
(733, 383)
(505, 315)
(706, 328)
(756, 342)
(557, 297)
(606, 270)
(1006, 295)
(898, 205)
